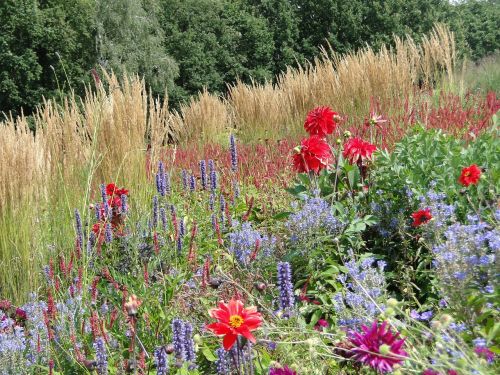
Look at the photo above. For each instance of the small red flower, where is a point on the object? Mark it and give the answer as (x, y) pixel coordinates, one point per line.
(421, 217)
(321, 121)
(356, 150)
(470, 175)
(313, 154)
(234, 320)
(111, 189)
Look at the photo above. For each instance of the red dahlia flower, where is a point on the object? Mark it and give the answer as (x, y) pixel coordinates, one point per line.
(356, 150)
(313, 154)
(377, 347)
(321, 121)
(234, 320)
(470, 175)
(421, 217)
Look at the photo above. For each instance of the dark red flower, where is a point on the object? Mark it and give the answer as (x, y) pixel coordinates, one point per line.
(378, 347)
(470, 175)
(321, 121)
(452, 372)
(313, 154)
(421, 217)
(112, 190)
(21, 314)
(356, 150)
(430, 372)
(322, 323)
(234, 320)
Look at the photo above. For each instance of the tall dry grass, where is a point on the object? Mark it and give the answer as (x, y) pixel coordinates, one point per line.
(118, 128)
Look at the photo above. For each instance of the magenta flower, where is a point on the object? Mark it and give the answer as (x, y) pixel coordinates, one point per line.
(485, 353)
(377, 347)
(430, 372)
(282, 371)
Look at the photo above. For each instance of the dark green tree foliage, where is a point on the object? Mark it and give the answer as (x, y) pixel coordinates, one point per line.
(129, 39)
(19, 67)
(479, 26)
(215, 42)
(46, 47)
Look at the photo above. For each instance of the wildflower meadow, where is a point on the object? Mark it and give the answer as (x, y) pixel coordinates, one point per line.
(362, 242)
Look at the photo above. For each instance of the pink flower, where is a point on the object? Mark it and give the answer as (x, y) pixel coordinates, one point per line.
(378, 347)
(322, 323)
(485, 353)
(356, 150)
(282, 371)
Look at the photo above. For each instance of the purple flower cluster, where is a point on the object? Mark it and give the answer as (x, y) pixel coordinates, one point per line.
(161, 361)
(287, 298)
(78, 227)
(234, 153)
(183, 340)
(101, 356)
(364, 288)
(465, 258)
(162, 180)
(203, 174)
(312, 220)
(222, 363)
(243, 243)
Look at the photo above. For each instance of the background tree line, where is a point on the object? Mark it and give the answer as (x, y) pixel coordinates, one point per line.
(49, 47)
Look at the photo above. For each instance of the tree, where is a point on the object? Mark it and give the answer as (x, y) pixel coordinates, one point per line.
(130, 39)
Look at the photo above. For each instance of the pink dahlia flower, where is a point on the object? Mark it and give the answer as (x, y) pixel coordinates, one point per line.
(378, 347)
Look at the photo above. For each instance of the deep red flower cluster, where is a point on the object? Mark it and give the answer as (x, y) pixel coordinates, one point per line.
(470, 175)
(321, 121)
(356, 150)
(312, 155)
(114, 200)
(421, 217)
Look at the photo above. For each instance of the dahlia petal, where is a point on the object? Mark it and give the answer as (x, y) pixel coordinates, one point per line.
(220, 328)
(245, 332)
(229, 341)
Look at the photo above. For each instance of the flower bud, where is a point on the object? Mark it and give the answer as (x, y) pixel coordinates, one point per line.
(260, 286)
(384, 349)
(169, 349)
(197, 339)
(338, 141)
(347, 134)
(392, 302)
(436, 324)
(389, 312)
(446, 319)
(132, 305)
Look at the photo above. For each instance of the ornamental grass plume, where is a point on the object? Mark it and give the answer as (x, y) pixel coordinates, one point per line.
(378, 347)
(313, 155)
(470, 175)
(356, 150)
(321, 121)
(234, 320)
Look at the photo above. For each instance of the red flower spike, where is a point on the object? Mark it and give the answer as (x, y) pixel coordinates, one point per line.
(321, 121)
(312, 155)
(470, 175)
(421, 217)
(356, 150)
(234, 320)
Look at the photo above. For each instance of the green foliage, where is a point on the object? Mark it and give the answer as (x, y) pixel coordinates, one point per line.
(130, 40)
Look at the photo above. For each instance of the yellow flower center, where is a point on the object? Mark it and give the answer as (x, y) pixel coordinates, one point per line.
(235, 321)
(467, 174)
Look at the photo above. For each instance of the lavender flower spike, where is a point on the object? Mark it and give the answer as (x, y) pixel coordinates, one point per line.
(179, 339)
(78, 225)
(203, 174)
(161, 361)
(287, 299)
(101, 356)
(234, 153)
